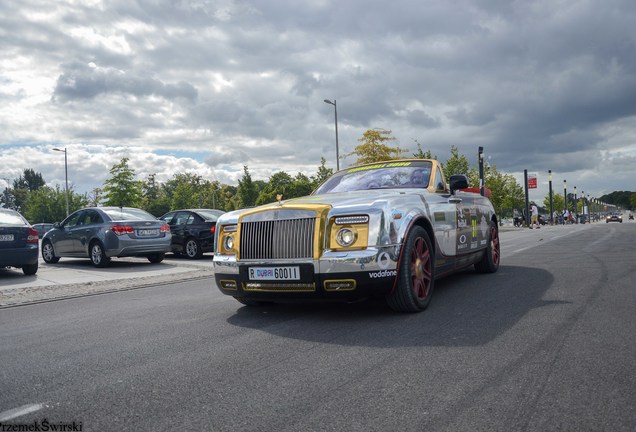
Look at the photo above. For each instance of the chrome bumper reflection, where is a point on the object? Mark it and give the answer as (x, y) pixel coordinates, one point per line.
(369, 260)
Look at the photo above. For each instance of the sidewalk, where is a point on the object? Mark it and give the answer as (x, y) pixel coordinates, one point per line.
(77, 277)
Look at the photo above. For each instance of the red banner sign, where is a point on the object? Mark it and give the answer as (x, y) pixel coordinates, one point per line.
(532, 181)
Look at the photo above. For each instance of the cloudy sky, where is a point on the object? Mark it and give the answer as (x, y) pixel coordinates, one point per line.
(208, 86)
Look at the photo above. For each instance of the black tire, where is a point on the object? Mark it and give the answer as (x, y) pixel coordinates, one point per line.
(156, 258)
(98, 256)
(48, 253)
(192, 248)
(30, 269)
(489, 263)
(416, 277)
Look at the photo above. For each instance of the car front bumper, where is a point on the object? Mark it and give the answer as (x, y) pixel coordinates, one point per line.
(337, 275)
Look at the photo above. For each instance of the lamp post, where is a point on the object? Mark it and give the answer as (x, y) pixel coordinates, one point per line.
(551, 202)
(576, 206)
(65, 175)
(583, 206)
(335, 112)
(565, 198)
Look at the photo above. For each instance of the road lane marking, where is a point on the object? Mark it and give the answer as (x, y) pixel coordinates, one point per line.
(20, 411)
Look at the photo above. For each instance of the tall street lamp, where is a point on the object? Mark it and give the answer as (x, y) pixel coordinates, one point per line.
(583, 206)
(65, 175)
(576, 206)
(335, 111)
(551, 202)
(565, 196)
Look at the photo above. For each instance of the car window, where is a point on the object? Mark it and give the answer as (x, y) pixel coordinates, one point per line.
(192, 219)
(407, 174)
(73, 220)
(127, 213)
(181, 218)
(439, 182)
(11, 218)
(91, 217)
(167, 218)
(210, 215)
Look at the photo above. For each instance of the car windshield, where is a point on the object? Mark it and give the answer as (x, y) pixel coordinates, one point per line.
(210, 215)
(127, 213)
(11, 218)
(407, 174)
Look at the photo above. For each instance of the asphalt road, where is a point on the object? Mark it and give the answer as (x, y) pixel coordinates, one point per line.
(545, 344)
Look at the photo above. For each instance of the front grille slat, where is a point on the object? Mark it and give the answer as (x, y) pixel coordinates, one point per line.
(277, 239)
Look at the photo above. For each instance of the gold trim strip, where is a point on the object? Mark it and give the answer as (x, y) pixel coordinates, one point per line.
(339, 289)
(279, 287)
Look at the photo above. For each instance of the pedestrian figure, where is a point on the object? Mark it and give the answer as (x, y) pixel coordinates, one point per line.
(566, 215)
(534, 211)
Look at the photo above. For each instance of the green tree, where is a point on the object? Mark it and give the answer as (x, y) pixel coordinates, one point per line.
(121, 189)
(457, 164)
(632, 200)
(29, 180)
(322, 175)
(154, 198)
(7, 199)
(374, 147)
(247, 192)
(506, 193)
(301, 186)
(279, 183)
(558, 203)
(48, 204)
(421, 154)
(187, 192)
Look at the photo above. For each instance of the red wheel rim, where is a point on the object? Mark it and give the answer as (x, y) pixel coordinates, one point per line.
(421, 269)
(494, 245)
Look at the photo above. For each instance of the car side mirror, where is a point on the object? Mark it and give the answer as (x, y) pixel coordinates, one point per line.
(458, 181)
(57, 225)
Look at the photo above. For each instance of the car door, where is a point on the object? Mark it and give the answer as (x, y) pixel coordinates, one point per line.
(64, 236)
(178, 228)
(89, 225)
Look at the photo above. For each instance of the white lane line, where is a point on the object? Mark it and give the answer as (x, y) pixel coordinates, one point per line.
(20, 411)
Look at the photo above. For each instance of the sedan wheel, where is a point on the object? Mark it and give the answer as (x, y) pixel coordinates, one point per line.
(30, 269)
(98, 256)
(193, 249)
(156, 258)
(48, 254)
(415, 274)
(489, 263)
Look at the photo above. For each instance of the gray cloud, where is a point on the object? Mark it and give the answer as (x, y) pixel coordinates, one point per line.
(541, 85)
(86, 82)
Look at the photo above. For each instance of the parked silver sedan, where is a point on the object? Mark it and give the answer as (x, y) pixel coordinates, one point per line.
(101, 233)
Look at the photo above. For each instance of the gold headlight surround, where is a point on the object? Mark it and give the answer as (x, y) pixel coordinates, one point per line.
(228, 240)
(343, 226)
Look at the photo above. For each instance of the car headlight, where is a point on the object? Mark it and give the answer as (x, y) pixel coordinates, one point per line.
(346, 236)
(227, 238)
(228, 242)
(349, 232)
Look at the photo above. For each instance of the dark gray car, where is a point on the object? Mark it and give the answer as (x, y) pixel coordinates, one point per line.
(100, 233)
(18, 242)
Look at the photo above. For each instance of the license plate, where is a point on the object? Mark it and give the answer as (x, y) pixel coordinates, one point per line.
(6, 237)
(147, 232)
(274, 273)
